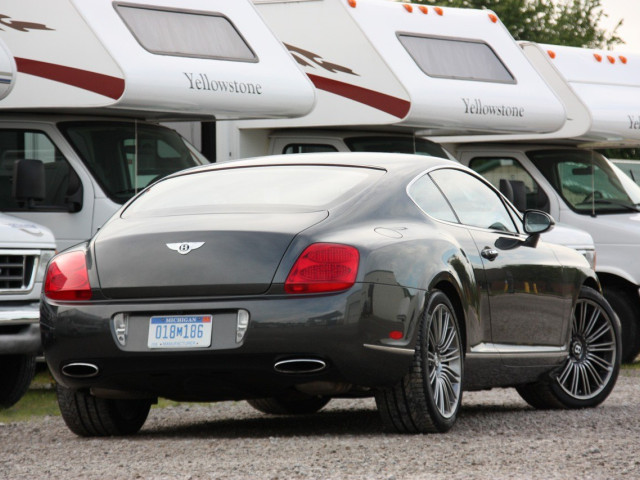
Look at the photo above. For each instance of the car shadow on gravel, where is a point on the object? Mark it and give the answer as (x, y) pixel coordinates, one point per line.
(336, 422)
(365, 422)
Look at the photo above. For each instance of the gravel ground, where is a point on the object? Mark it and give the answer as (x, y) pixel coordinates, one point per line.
(497, 437)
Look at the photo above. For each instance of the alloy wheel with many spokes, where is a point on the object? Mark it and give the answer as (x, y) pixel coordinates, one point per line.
(592, 352)
(444, 361)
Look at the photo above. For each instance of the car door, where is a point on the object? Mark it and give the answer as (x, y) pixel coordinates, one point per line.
(523, 278)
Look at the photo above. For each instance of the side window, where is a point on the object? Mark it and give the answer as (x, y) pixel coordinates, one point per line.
(513, 181)
(430, 199)
(474, 203)
(308, 148)
(61, 181)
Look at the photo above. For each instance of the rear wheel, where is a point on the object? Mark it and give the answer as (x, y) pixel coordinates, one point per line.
(428, 398)
(590, 371)
(90, 416)
(289, 406)
(16, 373)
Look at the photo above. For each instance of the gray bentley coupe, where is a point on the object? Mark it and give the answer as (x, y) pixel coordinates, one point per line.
(288, 281)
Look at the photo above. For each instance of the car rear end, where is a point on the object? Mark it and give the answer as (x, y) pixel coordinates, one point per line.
(209, 286)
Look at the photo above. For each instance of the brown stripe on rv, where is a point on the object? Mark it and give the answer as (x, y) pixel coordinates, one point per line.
(392, 105)
(106, 85)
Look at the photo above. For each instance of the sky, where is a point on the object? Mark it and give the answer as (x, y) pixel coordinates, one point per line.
(629, 11)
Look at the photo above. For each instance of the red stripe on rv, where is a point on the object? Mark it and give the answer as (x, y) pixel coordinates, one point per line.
(392, 105)
(106, 85)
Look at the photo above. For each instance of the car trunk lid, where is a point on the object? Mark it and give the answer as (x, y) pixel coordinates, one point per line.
(195, 255)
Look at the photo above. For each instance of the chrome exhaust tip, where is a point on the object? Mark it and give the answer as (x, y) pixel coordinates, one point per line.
(300, 366)
(80, 370)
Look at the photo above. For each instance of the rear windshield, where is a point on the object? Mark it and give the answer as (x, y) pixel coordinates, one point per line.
(273, 188)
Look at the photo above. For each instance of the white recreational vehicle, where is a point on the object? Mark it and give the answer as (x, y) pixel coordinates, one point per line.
(83, 82)
(389, 66)
(391, 70)
(562, 174)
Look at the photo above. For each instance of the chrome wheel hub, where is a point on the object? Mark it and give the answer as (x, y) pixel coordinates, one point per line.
(592, 352)
(444, 361)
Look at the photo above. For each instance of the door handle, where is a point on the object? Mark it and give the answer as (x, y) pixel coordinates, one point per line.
(489, 253)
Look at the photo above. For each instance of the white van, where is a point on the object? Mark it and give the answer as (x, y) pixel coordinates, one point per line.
(84, 83)
(25, 250)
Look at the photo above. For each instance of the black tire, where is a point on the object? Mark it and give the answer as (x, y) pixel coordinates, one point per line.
(590, 371)
(289, 406)
(428, 398)
(621, 303)
(16, 373)
(90, 416)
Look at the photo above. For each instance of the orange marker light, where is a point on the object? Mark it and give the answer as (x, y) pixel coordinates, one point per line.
(423, 9)
(438, 10)
(551, 53)
(623, 59)
(407, 7)
(352, 3)
(493, 18)
(598, 57)
(611, 59)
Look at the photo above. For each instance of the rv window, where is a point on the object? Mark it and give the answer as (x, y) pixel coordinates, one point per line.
(308, 148)
(587, 181)
(125, 157)
(513, 181)
(459, 59)
(186, 34)
(389, 144)
(59, 177)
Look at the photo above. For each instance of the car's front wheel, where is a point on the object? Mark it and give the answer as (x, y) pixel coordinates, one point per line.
(428, 398)
(90, 416)
(590, 371)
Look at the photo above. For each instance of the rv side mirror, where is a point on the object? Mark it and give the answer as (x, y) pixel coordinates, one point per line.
(73, 198)
(536, 222)
(28, 181)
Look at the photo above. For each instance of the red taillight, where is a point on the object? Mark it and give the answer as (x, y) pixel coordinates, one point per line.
(67, 278)
(323, 267)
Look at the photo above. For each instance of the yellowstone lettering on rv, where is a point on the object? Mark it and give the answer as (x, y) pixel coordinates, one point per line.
(201, 82)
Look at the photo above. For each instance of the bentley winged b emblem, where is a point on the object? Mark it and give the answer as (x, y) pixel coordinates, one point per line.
(184, 247)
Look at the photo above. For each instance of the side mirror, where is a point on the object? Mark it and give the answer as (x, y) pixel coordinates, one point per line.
(28, 181)
(536, 222)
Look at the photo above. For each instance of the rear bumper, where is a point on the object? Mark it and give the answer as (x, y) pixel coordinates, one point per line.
(348, 331)
(19, 329)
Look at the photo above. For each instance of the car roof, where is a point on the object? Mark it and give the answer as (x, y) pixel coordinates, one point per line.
(391, 162)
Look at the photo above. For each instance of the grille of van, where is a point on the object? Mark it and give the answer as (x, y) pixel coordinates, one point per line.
(17, 272)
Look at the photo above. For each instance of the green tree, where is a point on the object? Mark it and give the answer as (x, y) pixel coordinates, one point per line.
(561, 22)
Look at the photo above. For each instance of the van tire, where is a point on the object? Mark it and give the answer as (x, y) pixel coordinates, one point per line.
(16, 373)
(621, 303)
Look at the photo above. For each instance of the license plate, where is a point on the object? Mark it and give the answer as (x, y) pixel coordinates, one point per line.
(184, 331)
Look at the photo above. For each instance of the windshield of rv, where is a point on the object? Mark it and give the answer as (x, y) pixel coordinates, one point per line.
(125, 157)
(587, 181)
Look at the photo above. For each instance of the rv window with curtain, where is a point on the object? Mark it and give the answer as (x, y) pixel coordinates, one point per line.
(186, 34)
(458, 59)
